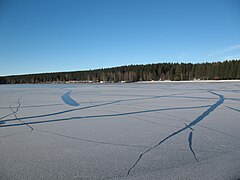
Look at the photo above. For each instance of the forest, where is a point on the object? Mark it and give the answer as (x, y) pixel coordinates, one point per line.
(133, 73)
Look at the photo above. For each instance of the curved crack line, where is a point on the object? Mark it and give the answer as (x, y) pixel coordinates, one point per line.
(234, 109)
(93, 141)
(63, 112)
(193, 123)
(12, 113)
(5, 117)
(233, 99)
(112, 143)
(155, 123)
(148, 121)
(89, 107)
(16, 117)
(201, 125)
(11, 134)
(218, 131)
(190, 145)
(40, 105)
(221, 146)
(106, 115)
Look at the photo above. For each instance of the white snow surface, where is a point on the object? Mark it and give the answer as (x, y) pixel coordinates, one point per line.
(179, 130)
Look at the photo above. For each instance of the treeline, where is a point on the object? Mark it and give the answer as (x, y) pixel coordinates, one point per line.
(162, 71)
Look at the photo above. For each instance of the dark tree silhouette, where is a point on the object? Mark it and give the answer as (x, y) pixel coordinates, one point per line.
(132, 73)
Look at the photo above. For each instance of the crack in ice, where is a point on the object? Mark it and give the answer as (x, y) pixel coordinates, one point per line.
(15, 114)
(107, 115)
(234, 109)
(193, 123)
(190, 145)
(91, 106)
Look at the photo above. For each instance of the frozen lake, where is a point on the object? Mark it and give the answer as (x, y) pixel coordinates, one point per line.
(169, 130)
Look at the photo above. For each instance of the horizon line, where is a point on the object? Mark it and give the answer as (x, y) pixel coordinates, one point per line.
(109, 67)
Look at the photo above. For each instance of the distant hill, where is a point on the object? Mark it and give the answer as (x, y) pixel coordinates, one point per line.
(132, 73)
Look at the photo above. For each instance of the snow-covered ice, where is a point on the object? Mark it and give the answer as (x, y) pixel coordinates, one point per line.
(167, 130)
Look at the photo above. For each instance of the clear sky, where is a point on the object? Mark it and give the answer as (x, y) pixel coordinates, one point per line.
(64, 35)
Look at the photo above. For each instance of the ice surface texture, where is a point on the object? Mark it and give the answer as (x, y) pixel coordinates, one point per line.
(120, 131)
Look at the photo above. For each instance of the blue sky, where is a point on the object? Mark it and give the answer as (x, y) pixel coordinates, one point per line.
(65, 35)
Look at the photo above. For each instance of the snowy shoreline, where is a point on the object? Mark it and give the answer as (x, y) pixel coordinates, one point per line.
(194, 81)
(138, 82)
